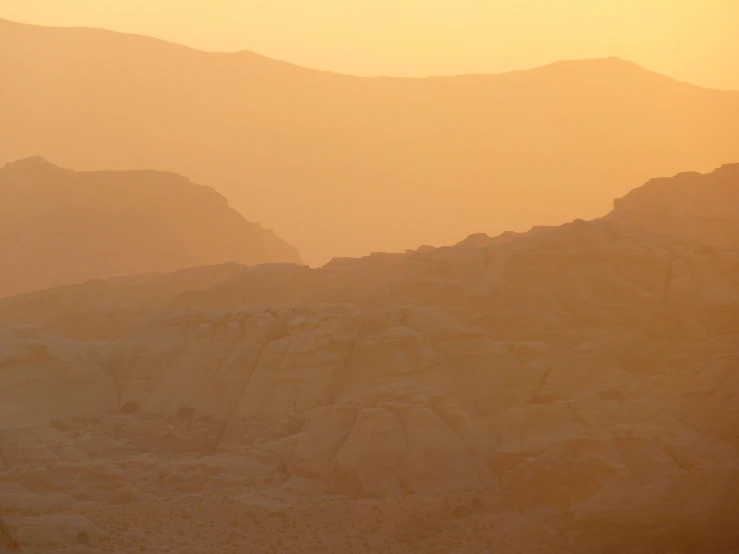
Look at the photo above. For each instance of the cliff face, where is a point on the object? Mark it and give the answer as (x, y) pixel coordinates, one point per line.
(701, 206)
(61, 227)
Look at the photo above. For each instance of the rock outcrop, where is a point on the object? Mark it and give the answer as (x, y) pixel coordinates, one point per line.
(105, 308)
(63, 227)
(585, 373)
(574, 351)
(693, 205)
(46, 377)
(7, 542)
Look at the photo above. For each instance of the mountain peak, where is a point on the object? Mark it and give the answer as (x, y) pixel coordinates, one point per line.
(596, 65)
(31, 163)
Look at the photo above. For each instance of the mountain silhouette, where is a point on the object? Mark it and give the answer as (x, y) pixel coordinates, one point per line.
(341, 165)
(59, 226)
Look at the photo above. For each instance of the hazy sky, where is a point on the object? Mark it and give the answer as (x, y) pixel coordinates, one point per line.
(692, 40)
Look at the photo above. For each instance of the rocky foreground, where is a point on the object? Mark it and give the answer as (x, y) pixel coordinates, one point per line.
(569, 389)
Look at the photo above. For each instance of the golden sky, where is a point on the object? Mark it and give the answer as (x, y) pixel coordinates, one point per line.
(692, 40)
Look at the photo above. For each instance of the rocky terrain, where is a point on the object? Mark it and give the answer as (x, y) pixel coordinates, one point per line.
(59, 226)
(342, 166)
(696, 205)
(571, 389)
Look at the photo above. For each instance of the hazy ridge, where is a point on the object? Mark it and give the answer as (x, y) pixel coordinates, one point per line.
(60, 226)
(388, 162)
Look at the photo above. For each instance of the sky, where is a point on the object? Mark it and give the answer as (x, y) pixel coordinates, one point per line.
(691, 40)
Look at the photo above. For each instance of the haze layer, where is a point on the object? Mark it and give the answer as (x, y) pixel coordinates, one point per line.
(342, 165)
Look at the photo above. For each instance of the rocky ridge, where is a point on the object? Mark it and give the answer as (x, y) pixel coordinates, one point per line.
(59, 226)
(344, 165)
(702, 206)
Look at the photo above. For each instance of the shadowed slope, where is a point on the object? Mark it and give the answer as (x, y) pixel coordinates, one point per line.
(342, 165)
(59, 226)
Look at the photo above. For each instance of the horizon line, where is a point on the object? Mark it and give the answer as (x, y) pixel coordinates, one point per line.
(353, 75)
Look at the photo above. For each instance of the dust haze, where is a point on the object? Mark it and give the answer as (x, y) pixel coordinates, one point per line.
(251, 307)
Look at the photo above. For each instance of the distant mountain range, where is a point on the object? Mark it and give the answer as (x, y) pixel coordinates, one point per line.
(341, 165)
(59, 226)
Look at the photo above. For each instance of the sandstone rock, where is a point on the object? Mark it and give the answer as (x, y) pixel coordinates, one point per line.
(18, 499)
(44, 378)
(54, 531)
(585, 372)
(7, 542)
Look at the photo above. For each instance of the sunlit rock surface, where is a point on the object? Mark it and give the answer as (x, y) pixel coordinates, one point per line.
(570, 389)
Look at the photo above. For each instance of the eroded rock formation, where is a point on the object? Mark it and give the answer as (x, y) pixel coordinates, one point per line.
(580, 377)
